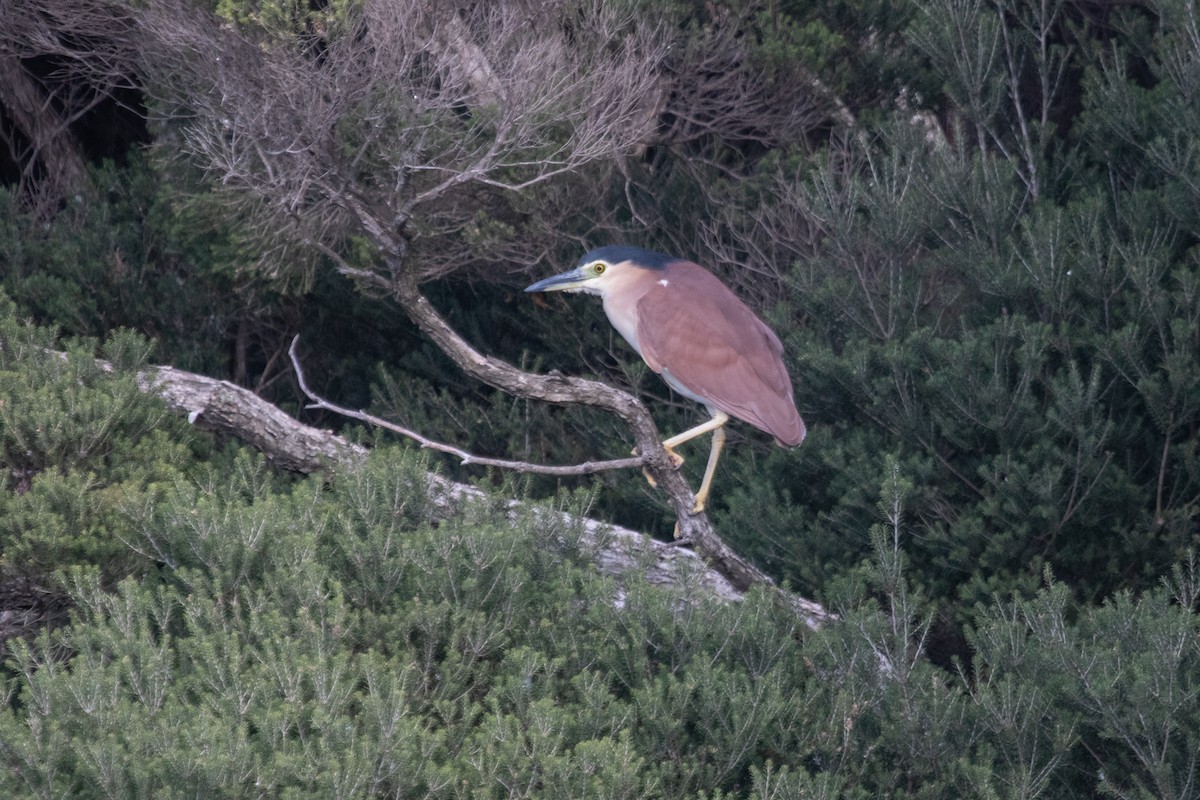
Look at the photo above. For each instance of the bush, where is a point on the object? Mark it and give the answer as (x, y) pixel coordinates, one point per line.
(353, 639)
(79, 442)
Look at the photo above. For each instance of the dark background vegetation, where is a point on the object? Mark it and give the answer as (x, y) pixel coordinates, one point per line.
(974, 225)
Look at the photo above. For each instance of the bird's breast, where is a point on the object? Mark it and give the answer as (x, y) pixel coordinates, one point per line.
(623, 317)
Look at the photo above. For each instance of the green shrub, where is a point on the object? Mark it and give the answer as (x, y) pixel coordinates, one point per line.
(79, 441)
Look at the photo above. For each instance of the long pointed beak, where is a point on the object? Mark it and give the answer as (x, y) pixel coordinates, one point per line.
(566, 282)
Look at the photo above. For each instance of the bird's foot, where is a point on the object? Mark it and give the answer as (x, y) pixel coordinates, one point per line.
(645, 471)
(676, 463)
(679, 540)
(676, 459)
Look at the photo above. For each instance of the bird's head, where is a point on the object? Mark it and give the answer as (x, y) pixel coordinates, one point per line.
(604, 270)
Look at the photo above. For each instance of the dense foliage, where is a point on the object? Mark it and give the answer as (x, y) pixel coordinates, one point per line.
(351, 638)
(974, 224)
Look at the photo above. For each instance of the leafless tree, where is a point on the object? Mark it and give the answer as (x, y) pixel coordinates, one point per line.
(424, 125)
(83, 61)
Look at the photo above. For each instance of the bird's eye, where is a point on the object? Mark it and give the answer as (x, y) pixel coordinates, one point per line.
(599, 267)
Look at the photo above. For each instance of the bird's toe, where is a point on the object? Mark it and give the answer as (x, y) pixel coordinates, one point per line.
(676, 459)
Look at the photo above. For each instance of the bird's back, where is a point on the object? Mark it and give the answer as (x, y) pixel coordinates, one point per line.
(714, 346)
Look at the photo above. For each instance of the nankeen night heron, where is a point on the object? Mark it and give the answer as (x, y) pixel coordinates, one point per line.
(694, 332)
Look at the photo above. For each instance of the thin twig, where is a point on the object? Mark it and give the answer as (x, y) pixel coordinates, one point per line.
(585, 468)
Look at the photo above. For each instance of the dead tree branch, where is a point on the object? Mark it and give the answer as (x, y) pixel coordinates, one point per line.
(465, 458)
(226, 408)
(695, 529)
(221, 407)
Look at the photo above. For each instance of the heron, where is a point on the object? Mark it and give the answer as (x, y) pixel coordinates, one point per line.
(703, 341)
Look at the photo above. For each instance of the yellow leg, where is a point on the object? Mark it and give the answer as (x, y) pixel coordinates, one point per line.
(719, 418)
(716, 425)
(718, 443)
(691, 433)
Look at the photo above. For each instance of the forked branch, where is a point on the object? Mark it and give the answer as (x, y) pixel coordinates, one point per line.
(695, 529)
(465, 458)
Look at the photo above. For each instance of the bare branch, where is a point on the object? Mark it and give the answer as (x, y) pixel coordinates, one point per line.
(466, 458)
(695, 529)
(82, 63)
(415, 111)
(222, 407)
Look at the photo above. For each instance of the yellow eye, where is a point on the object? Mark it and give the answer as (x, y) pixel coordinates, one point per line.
(598, 268)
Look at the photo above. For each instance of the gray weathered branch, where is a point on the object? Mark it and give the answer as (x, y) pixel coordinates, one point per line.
(465, 458)
(694, 528)
(222, 407)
